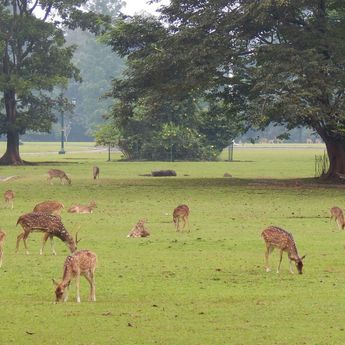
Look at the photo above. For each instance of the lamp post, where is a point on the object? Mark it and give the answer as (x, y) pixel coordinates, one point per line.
(62, 150)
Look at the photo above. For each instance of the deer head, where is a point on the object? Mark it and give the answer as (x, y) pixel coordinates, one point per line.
(60, 291)
(299, 263)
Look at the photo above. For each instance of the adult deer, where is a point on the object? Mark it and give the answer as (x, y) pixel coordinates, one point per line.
(50, 207)
(139, 229)
(58, 173)
(79, 263)
(275, 237)
(95, 172)
(82, 209)
(338, 215)
(9, 196)
(180, 212)
(48, 224)
(2, 241)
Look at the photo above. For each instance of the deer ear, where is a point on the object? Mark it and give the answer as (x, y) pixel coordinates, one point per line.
(303, 257)
(55, 282)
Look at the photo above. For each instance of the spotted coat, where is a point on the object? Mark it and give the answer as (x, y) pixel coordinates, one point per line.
(47, 223)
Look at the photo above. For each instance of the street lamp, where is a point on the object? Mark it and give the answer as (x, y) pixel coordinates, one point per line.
(62, 150)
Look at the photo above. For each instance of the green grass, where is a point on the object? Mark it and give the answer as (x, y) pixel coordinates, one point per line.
(206, 286)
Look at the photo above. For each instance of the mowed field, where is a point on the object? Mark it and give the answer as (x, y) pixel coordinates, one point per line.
(205, 285)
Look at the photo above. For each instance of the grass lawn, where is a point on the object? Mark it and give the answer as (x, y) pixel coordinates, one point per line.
(198, 287)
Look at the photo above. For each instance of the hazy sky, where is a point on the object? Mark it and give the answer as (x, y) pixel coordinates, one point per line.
(137, 6)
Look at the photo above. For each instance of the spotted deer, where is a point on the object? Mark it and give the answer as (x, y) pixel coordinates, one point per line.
(139, 229)
(50, 207)
(275, 237)
(95, 172)
(82, 209)
(79, 263)
(58, 173)
(48, 224)
(180, 212)
(9, 196)
(2, 241)
(338, 215)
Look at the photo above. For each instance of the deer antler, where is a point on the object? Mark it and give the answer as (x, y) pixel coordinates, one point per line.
(76, 235)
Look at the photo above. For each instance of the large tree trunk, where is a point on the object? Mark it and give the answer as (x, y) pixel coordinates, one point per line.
(11, 156)
(336, 156)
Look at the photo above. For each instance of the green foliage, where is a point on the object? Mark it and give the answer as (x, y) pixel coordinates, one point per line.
(272, 61)
(34, 60)
(107, 135)
(150, 103)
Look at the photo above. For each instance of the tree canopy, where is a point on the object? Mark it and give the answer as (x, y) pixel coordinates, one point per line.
(155, 110)
(34, 60)
(267, 61)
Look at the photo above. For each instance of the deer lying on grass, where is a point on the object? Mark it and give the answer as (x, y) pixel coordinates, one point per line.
(50, 207)
(338, 215)
(139, 229)
(58, 173)
(180, 212)
(79, 263)
(50, 225)
(82, 209)
(275, 237)
(9, 196)
(2, 241)
(95, 172)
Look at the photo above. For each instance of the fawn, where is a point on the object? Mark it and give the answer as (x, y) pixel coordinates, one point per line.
(279, 238)
(79, 263)
(50, 225)
(58, 173)
(82, 209)
(139, 229)
(9, 196)
(50, 207)
(180, 212)
(95, 172)
(2, 240)
(338, 215)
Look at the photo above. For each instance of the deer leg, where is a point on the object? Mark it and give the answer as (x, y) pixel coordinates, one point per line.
(291, 267)
(267, 253)
(52, 244)
(19, 237)
(66, 294)
(26, 235)
(44, 240)
(12, 205)
(280, 260)
(77, 283)
(91, 279)
(1, 253)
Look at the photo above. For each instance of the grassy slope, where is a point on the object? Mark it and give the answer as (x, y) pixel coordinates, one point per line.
(206, 286)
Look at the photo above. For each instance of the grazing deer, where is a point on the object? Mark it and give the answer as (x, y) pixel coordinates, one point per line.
(82, 209)
(58, 173)
(139, 229)
(180, 212)
(50, 207)
(338, 215)
(2, 240)
(279, 238)
(9, 196)
(95, 172)
(79, 263)
(50, 225)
